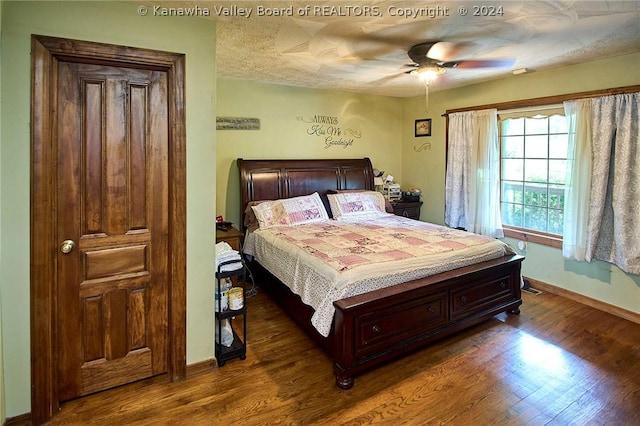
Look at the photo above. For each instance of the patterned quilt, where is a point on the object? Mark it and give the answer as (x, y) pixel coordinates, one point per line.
(330, 260)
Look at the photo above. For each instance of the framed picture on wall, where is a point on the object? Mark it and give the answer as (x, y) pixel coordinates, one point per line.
(423, 127)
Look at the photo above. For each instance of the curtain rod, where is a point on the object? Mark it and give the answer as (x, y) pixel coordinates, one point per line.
(553, 99)
(527, 108)
(533, 108)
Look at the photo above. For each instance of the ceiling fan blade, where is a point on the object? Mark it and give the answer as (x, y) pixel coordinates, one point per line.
(444, 51)
(400, 41)
(480, 63)
(364, 46)
(418, 53)
(390, 78)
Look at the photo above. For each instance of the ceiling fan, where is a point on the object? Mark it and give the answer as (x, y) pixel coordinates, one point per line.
(432, 58)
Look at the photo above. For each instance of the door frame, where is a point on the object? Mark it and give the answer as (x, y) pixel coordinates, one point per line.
(45, 53)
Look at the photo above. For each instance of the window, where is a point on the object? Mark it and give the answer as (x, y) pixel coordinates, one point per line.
(533, 159)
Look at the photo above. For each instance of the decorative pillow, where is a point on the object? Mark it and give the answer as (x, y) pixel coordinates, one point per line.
(270, 213)
(305, 209)
(357, 205)
(388, 207)
(290, 211)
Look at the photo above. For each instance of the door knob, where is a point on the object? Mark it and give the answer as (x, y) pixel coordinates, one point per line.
(67, 246)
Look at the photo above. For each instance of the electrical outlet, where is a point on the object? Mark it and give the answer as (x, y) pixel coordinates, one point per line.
(522, 245)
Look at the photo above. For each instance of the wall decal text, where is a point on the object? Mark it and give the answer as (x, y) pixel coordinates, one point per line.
(327, 128)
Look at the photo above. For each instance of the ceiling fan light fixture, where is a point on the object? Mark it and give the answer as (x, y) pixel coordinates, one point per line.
(427, 74)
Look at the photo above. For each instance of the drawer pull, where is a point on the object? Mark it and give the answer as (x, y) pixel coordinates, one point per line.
(463, 299)
(430, 309)
(375, 329)
(503, 285)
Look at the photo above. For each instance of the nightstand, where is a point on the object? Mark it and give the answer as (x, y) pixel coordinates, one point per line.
(231, 236)
(410, 209)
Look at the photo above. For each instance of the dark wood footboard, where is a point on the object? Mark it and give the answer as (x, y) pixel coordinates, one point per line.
(373, 328)
(377, 327)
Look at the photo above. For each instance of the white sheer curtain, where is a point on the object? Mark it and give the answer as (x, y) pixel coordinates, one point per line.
(484, 206)
(472, 199)
(578, 179)
(614, 216)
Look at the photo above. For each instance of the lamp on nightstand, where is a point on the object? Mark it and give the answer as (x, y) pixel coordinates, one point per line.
(378, 184)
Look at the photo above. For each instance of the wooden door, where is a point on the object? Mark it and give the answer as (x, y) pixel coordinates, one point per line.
(112, 196)
(108, 232)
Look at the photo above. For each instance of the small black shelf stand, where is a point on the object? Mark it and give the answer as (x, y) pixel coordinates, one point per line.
(238, 348)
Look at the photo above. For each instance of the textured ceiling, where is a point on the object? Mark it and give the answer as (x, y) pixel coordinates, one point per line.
(362, 45)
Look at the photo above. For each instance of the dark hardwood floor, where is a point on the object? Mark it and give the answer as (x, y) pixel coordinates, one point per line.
(558, 363)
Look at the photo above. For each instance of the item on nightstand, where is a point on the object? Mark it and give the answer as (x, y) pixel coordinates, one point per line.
(392, 191)
(223, 226)
(411, 195)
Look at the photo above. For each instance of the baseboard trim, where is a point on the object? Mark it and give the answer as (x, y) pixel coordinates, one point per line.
(577, 297)
(202, 367)
(21, 420)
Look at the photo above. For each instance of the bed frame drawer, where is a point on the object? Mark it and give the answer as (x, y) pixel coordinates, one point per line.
(482, 296)
(393, 324)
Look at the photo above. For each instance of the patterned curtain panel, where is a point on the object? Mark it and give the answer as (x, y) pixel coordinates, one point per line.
(456, 205)
(472, 198)
(614, 215)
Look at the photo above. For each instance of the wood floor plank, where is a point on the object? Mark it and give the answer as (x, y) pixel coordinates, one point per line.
(559, 362)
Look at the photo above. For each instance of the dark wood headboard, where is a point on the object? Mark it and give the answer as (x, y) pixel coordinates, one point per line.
(275, 179)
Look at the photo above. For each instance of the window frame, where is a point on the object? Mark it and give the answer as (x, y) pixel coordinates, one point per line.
(544, 238)
(520, 232)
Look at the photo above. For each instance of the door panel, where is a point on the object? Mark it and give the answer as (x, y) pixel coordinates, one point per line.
(112, 135)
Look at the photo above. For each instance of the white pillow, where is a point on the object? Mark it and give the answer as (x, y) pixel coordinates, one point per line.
(357, 205)
(290, 211)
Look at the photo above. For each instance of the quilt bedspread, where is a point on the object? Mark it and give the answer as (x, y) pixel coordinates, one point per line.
(330, 260)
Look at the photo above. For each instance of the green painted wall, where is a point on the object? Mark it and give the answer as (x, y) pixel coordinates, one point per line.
(2, 397)
(385, 124)
(285, 131)
(116, 23)
(426, 170)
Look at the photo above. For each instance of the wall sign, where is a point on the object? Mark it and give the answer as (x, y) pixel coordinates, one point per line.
(237, 123)
(328, 129)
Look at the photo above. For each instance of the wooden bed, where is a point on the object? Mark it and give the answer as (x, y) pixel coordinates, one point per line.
(419, 311)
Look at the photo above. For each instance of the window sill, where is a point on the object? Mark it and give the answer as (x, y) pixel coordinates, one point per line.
(534, 237)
